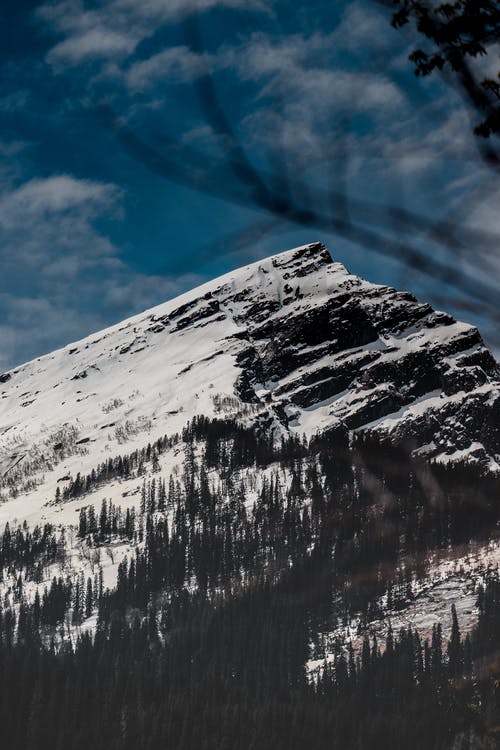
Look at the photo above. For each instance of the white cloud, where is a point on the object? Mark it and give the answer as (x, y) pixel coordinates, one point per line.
(93, 44)
(114, 29)
(262, 55)
(364, 29)
(69, 277)
(54, 195)
(306, 68)
(167, 10)
(175, 64)
(308, 97)
(47, 228)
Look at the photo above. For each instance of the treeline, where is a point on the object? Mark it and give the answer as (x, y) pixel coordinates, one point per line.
(247, 448)
(131, 464)
(231, 446)
(111, 521)
(47, 618)
(30, 552)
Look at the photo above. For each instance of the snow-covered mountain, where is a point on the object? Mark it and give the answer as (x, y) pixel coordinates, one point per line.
(294, 342)
(291, 344)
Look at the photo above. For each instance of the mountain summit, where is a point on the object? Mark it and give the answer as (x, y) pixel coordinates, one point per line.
(291, 343)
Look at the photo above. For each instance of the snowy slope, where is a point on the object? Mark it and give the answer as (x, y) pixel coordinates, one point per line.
(294, 342)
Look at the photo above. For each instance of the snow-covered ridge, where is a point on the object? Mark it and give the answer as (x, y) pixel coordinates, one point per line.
(294, 342)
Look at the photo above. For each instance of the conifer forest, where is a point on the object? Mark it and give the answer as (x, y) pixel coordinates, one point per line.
(205, 640)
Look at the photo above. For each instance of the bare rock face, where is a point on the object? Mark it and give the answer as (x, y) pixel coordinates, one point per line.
(324, 347)
(292, 343)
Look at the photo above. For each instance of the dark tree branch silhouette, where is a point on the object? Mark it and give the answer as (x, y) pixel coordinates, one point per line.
(457, 34)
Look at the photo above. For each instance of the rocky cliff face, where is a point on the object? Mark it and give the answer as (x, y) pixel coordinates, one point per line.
(294, 342)
(326, 347)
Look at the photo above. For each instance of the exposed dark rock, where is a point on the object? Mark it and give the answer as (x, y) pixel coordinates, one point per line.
(380, 348)
(202, 312)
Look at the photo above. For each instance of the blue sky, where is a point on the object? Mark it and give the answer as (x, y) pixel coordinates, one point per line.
(320, 99)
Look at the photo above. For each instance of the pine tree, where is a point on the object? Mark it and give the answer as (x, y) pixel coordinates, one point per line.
(89, 602)
(77, 604)
(455, 655)
(103, 519)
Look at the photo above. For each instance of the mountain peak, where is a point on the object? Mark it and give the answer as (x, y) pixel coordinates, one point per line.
(314, 252)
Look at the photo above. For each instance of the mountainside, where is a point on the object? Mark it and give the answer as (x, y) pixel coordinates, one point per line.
(263, 514)
(292, 343)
